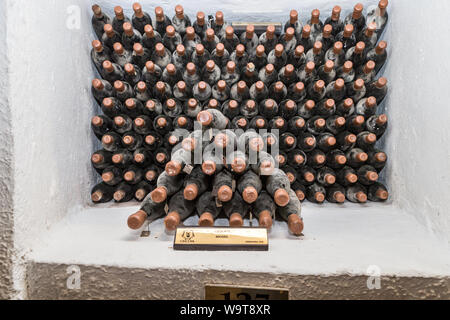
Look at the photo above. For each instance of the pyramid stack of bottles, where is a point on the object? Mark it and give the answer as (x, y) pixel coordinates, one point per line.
(311, 91)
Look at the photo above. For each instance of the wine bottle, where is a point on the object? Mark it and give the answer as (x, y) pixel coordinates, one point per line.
(150, 37)
(151, 174)
(335, 20)
(101, 125)
(161, 56)
(122, 158)
(101, 89)
(336, 159)
(347, 37)
(279, 124)
(316, 159)
(269, 39)
(213, 119)
(296, 125)
(288, 142)
(316, 90)
(239, 122)
(181, 91)
(356, 193)
(166, 186)
(327, 72)
(294, 23)
(307, 109)
(162, 21)
(201, 91)
(336, 90)
(148, 210)
(326, 108)
(162, 124)
(191, 75)
(369, 36)
(119, 19)
(220, 55)
(102, 193)
(123, 90)
(296, 158)
(267, 108)
(336, 194)
(143, 188)
(258, 123)
(316, 54)
(378, 15)
(299, 190)
(124, 192)
(326, 141)
(99, 20)
(292, 214)
(259, 57)
(191, 40)
(378, 55)
(172, 108)
(336, 54)
(180, 57)
(133, 107)
(356, 157)
(111, 141)
(346, 72)
(366, 72)
(326, 37)
(378, 89)
(297, 57)
(367, 175)
(377, 124)
(153, 108)
(297, 92)
(99, 55)
(357, 54)
(268, 75)
(195, 184)
(287, 75)
(356, 90)
(237, 162)
(366, 140)
(326, 176)
(346, 140)
(171, 75)
(335, 124)
(131, 141)
(199, 25)
(377, 192)
(143, 125)
(120, 55)
(355, 124)
(288, 40)
(212, 163)
(133, 175)
(306, 40)
(264, 209)
(112, 175)
(223, 186)
(236, 210)
(277, 57)
(130, 36)
(142, 157)
(151, 74)
(211, 73)
(345, 108)
(278, 91)
(210, 40)
(207, 209)
(278, 186)
(101, 159)
(110, 36)
(249, 186)
(356, 18)
(316, 193)
(316, 125)
(239, 91)
(179, 210)
(179, 159)
(140, 18)
(346, 176)
(230, 109)
(307, 142)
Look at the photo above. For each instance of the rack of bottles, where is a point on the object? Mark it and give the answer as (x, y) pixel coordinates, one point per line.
(205, 118)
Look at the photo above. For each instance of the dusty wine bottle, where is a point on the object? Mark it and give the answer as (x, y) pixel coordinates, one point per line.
(151, 74)
(142, 157)
(236, 210)
(279, 124)
(101, 125)
(316, 193)
(123, 192)
(148, 210)
(223, 186)
(356, 193)
(378, 55)
(336, 54)
(133, 175)
(326, 108)
(377, 124)
(346, 140)
(101, 159)
(278, 186)
(292, 214)
(307, 142)
(336, 194)
(133, 107)
(131, 141)
(264, 209)
(181, 91)
(249, 186)
(355, 124)
(179, 209)
(316, 54)
(150, 37)
(179, 159)
(366, 140)
(345, 108)
(102, 193)
(326, 141)
(111, 141)
(326, 176)
(316, 91)
(112, 175)
(288, 40)
(269, 39)
(346, 176)
(207, 209)
(277, 57)
(123, 90)
(296, 125)
(369, 36)
(378, 15)
(166, 186)
(336, 159)
(162, 21)
(367, 175)
(316, 159)
(101, 89)
(377, 192)
(335, 124)
(356, 157)
(378, 89)
(306, 40)
(335, 20)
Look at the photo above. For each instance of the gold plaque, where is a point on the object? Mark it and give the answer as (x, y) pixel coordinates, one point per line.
(221, 238)
(228, 292)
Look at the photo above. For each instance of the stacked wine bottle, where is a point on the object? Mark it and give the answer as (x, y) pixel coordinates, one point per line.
(304, 98)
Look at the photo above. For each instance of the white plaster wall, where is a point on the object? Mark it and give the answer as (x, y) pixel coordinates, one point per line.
(418, 106)
(49, 75)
